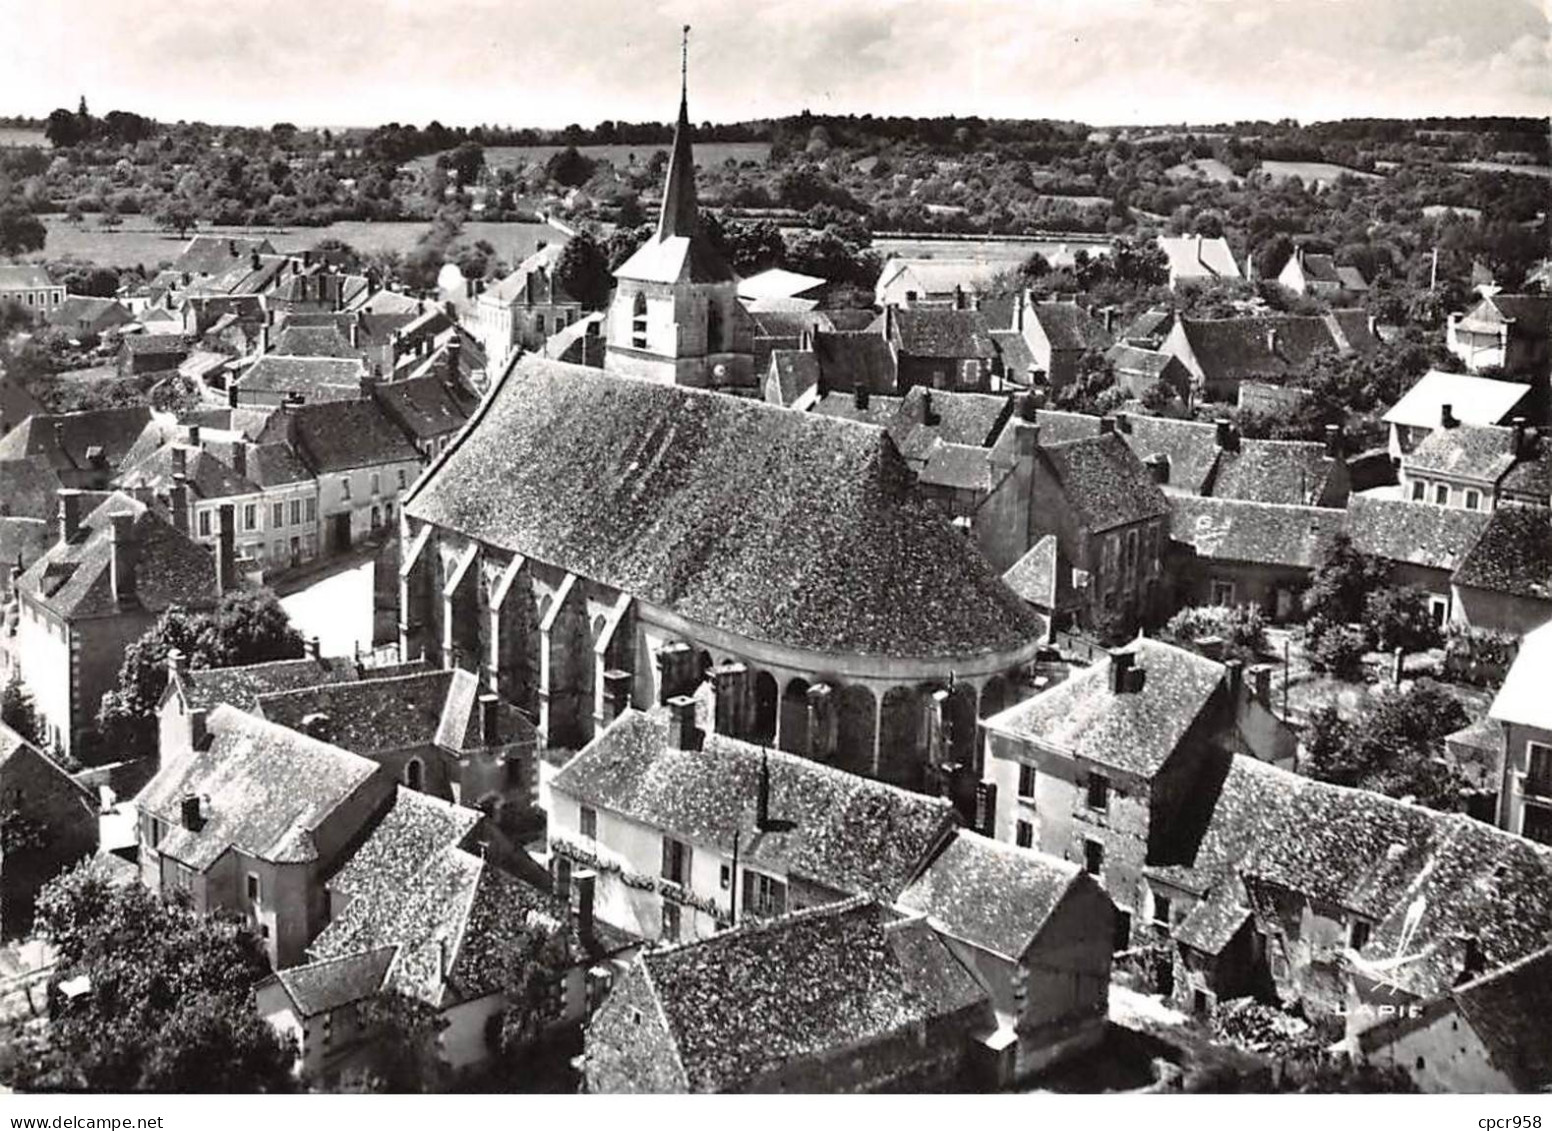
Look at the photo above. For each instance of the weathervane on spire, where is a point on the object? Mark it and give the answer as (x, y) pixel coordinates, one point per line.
(684, 63)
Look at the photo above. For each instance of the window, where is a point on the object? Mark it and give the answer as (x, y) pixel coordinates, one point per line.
(1222, 592)
(250, 516)
(764, 896)
(158, 831)
(1111, 551)
(377, 517)
(1538, 769)
(1131, 551)
(312, 510)
(1441, 494)
(639, 322)
(589, 822)
(1026, 782)
(345, 487)
(670, 921)
(377, 483)
(253, 887)
(1417, 490)
(404, 479)
(204, 524)
(1161, 910)
(1093, 857)
(727, 876)
(1024, 834)
(1537, 824)
(1358, 934)
(1099, 791)
(970, 374)
(539, 323)
(1472, 499)
(676, 861)
(277, 515)
(414, 773)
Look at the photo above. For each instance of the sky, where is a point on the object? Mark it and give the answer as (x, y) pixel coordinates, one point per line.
(518, 62)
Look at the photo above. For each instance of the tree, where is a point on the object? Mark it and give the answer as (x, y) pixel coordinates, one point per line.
(18, 711)
(110, 218)
(64, 129)
(176, 215)
(569, 168)
(468, 161)
(20, 230)
(1342, 581)
(1401, 618)
(1242, 629)
(168, 1006)
(582, 270)
(1397, 748)
(402, 1055)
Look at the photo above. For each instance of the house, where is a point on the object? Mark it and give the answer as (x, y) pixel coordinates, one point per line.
(431, 408)
(1102, 768)
(840, 998)
(1468, 466)
(49, 821)
(909, 282)
(362, 460)
(117, 565)
(1197, 259)
(675, 317)
(691, 830)
(653, 531)
(1423, 545)
(140, 354)
(523, 309)
(1504, 583)
(1524, 711)
(430, 907)
(29, 286)
(856, 359)
(1237, 552)
(1045, 580)
(1438, 397)
(213, 255)
(1508, 332)
(435, 731)
(85, 449)
(792, 381)
(1489, 1035)
(253, 821)
(939, 348)
(84, 316)
(1058, 335)
(276, 379)
(1189, 457)
(1035, 932)
(1138, 371)
(1220, 353)
(1307, 273)
(1110, 520)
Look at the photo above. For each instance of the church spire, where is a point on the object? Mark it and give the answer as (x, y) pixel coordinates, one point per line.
(679, 216)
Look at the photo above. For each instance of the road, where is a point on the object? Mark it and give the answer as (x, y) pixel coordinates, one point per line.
(336, 608)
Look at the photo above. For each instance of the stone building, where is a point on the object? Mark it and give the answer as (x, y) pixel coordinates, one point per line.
(1508, 332)
(48, 821)
(523, 310)
(1522, 709)
(645, 534)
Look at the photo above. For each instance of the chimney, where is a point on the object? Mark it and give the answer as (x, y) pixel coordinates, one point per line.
(762, 816)
(1223, 433)
(240, 459)
(1107, 425)
(231, 248)
(368, 381)
(1271, 339)
(231, 396)
(69, 514)
(314, 648)
(59, 438)
(253, 261)
(180, 461)
(930, 416)
(1261, 683)
(454, 355)
(617, 693)
(677, 675)
(985, 808)
(192, 812)
(1233, 677)
(959, 297)
(1333, 441)
(585, 881)
(1024, 298)
(264, 339)
(1120, 672)
(178, 503)
(732, 687)
(194, 435)
(682, 732)
(1110, 317)
(226, 551)
(121, 568)
(1447, 416)
(177, 662)
(889, 323)
(859, 397)
(1518, 424)
(355, 333)
(490, 720)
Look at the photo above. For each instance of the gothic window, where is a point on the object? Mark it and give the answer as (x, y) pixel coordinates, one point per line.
(639, 322)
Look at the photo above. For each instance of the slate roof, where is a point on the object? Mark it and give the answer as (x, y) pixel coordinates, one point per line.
(27, 489)
(1198, 257)
(1190, 447)
(1033, 577)
(674, 259)
(1531, 314)
(313, 341)
(1067, 326)
(1103, 482)
(341, 435)
(795, 371)
(1057, 427)
(89, 309)
(1232, 349)
(1134, 731)
(927, 331)
(777, 525)
(207, 255)
(990, 894)
(1482, 452)
(16, 404)
(849, 833)
(1523, 698)
(315, 378)
(1150, 325)
(1510, 1011)
(879, 411)
(748, 1002)
(1017, 358)
(1473, 400)
(1136, 361)
(776, 282)
(1416, 533)
(1532, 474)
(1293, 472)
(63, 439)
(243, 686)
(1513, 554)
(959, 467)
(849, 359)
(268, 789)
(320, 987)
(23, 540)
(428, 407)
(24, 277)
(1257, 533)
(73, 579)
(155, 345)
(208, 476)
(973, 419)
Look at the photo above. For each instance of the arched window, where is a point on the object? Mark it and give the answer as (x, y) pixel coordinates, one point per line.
(639, 322)
(793, 735)
(414, 774)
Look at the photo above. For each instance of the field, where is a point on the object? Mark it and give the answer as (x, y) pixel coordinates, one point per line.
(137, 243)
(707, 154)
(1434, 211)
(15, 137)
(1011, 252)
(1209, 168)
(1543, 171)
(1318, 173)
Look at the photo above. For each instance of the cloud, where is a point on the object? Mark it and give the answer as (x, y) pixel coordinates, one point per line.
(498, 61)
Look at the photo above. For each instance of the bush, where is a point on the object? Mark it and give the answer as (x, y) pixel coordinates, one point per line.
(1401, 618)
(1338, 649)
(1242, 629)
(1397, 748)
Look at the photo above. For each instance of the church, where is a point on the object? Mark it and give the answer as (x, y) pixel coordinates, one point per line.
(675, 317)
